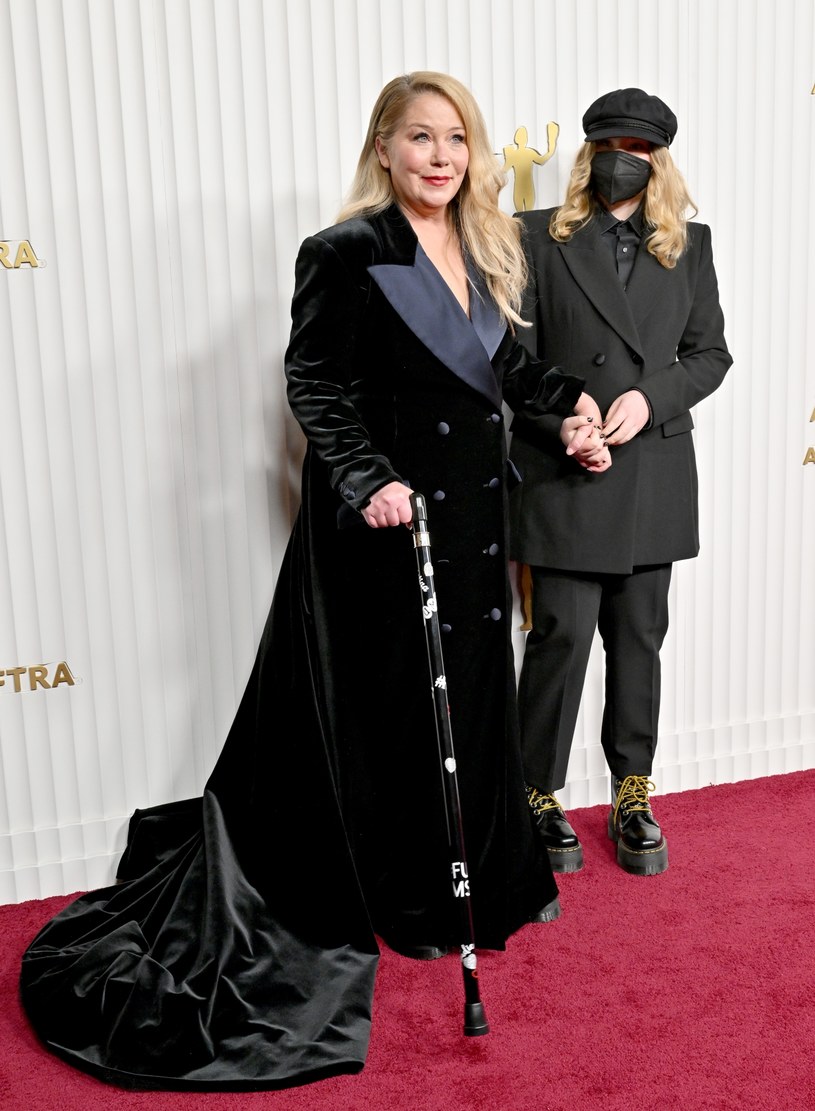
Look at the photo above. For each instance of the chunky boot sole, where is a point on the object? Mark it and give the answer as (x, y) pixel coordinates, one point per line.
(549, 913)
(566, 860)
(639, 862)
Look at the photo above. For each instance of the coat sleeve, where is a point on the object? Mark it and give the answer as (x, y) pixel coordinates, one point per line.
(533, 388)
(328, 310)
(702, 355)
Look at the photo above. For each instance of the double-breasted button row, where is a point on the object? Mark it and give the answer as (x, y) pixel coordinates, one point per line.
(443, 428)
(495, 614)
(493, 484)
(600, 358)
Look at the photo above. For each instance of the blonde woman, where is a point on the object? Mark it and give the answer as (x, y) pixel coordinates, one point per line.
(623, 293)
(240, 948)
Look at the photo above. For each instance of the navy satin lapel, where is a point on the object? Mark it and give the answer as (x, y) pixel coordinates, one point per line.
(429, 308)
(486, 319)
(593, 269)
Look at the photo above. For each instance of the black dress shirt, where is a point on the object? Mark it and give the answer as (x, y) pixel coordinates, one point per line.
(623, 238)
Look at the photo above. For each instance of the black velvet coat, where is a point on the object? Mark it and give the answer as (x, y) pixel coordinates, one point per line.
(239, 951)
(664, 336)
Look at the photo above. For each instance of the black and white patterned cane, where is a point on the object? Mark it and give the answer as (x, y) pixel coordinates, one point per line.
(475, 1021)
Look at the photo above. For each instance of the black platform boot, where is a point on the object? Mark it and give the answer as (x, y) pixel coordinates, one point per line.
(564, 849)
(641, 848)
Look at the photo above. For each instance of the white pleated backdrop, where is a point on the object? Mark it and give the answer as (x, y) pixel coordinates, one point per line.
(160, 161)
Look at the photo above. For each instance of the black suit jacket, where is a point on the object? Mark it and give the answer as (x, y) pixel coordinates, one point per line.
(665, 337)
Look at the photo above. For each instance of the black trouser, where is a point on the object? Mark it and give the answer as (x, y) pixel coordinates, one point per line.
(631, 613)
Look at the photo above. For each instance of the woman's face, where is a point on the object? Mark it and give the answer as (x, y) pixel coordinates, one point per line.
(641, 147)
(427, 156)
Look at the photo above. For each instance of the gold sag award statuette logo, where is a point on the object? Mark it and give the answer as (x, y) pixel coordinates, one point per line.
(520, 158)
(37, 677)
(810, 455)
(16, 253)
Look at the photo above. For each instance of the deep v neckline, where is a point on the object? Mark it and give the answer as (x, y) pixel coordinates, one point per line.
(431, 268)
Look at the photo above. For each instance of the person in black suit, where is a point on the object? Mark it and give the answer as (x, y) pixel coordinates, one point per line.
(623, 292)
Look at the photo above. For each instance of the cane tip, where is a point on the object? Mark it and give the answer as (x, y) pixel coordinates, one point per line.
(475, 1021)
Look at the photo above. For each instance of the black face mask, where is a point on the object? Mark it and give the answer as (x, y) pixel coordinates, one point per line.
(618, 175)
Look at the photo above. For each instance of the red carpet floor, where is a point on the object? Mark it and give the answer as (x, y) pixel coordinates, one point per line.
(692, 990)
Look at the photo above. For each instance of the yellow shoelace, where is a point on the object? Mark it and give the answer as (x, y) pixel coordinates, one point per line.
(540, 802)
(634, 792)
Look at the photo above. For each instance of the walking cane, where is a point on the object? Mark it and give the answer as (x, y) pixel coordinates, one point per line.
(475, 1021)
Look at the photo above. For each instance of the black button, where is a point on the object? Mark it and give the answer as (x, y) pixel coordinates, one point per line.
(439, 495)
(442, 428)
(446, 628)
(599, 359)
(493, 482)
(635, 358)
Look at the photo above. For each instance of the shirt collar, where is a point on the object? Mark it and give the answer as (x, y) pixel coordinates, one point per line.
(636, 220)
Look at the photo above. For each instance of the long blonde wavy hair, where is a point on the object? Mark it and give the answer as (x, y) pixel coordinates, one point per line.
(489, 236)
(667, 204)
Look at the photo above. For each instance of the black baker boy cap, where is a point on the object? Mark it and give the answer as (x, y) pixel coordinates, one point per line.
(633, 113)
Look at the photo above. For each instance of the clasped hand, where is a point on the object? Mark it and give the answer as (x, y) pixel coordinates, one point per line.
(588, 438)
